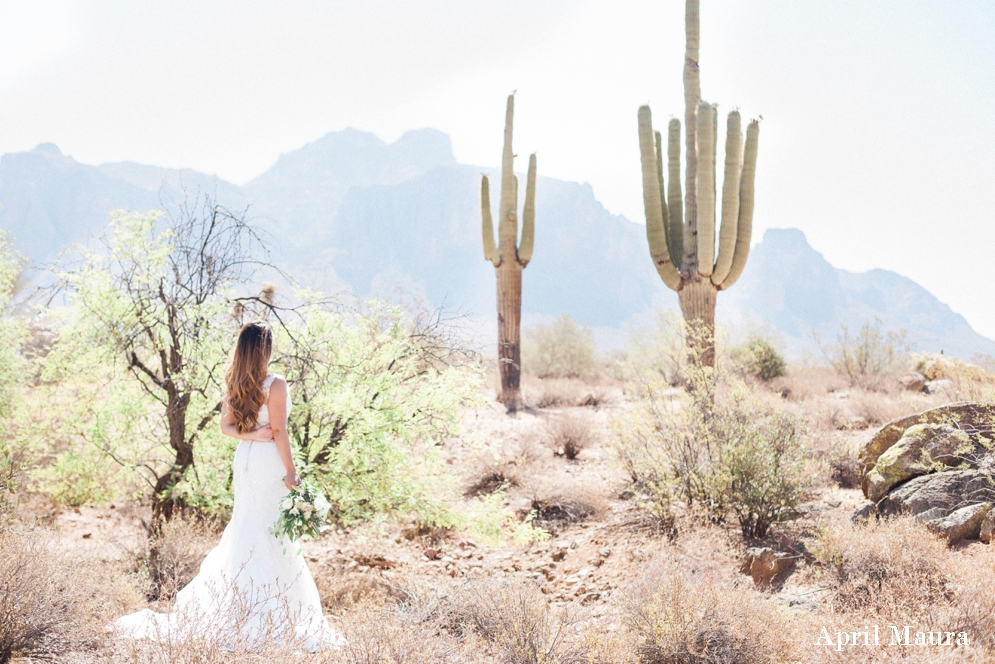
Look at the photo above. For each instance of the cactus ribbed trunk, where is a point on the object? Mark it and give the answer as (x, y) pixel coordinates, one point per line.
(509, 305)
(697, 299)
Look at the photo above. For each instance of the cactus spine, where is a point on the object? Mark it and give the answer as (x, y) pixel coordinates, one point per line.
(509, 260)
(682, 242)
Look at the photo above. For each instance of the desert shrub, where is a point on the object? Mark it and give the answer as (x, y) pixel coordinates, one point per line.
(343, 591)
(50, 603)
(569, 434)
(11, 465)
(733, 453)
(973, 607)
(515, 620)
(559, 505)
(171, 557)
(867, 357)
(892, 566)
(384, 637)
(491, 478)
(681, 616)
(758, 358)
(564, 392)
(844, 469)
(562, 349)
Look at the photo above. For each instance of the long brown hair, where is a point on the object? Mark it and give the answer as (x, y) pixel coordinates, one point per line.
(247, 373)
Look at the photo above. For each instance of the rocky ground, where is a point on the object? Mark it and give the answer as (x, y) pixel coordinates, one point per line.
(600, 543)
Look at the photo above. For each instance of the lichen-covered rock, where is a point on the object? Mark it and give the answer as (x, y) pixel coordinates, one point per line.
(964, 415)
(949, 490)
(923, 448)
(961, 524)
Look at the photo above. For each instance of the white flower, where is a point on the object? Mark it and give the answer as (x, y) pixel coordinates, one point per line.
(294, 511)
(299, 504)
(307, 510)
(287, 503)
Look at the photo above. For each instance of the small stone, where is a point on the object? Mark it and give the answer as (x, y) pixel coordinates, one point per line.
(767, 567)
(87, 535)
(864, 511)
(431, 554)
(605, 552)
(559, 554)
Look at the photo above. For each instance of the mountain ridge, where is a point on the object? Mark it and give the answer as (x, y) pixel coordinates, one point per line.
(350, 210)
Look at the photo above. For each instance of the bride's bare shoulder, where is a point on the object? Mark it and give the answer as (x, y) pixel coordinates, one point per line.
(278, 385)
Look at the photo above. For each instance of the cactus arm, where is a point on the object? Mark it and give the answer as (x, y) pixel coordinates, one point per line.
(692, 95)
(508, 228)
(663, 192)
(745, 226)
(706, 188)
(490, 249)
(652, 202)
(675, 238)
(528, 215)
(730, 198)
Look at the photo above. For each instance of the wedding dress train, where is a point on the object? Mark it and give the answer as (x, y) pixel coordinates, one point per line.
(252, 586)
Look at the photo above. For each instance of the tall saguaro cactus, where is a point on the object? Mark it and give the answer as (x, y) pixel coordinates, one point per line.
(509, 259)
(682, 242)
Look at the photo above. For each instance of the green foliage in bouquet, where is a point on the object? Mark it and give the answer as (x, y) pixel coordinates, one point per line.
(303, 513)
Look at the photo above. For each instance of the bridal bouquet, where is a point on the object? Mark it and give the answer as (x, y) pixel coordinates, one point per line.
(303, 513)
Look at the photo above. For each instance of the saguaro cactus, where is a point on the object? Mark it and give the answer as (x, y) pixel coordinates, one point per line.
(682, 243)
(509, 259)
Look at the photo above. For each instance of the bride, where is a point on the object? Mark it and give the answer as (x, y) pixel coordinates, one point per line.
(252, 587)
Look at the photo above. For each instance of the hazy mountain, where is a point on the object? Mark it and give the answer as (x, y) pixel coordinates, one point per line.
(350, 210)
(789, 286)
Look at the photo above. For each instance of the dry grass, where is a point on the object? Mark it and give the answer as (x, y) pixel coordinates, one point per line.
(342, 592)
(514, 620)
(546, 393)
(893, 568)
(53, 603)
(844, 469)
(172, 558)
(569, 434)
(688, 616)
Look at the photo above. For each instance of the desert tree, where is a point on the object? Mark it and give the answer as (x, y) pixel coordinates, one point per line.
(147, 329)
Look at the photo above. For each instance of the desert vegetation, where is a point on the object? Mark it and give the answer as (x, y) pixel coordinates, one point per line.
(681, 500)
(635, 511)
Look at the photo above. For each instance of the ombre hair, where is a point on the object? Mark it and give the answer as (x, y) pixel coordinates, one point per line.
(247, 373)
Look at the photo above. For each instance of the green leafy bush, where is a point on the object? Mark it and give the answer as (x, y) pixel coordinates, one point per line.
(760, 359)
(563, 349)
(732, 453)
(13, 374)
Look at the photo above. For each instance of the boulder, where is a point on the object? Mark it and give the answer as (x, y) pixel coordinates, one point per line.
(768, 568)
(987, 527)
(937, 386)
(913, 381)
(975, 414)
(864, 511)
(948, 491)
(964, 523)
(923, 448)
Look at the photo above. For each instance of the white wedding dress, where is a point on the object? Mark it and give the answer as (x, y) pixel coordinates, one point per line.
(252, 588)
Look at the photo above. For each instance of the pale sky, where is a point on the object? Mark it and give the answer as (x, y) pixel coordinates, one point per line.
(877, 138)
